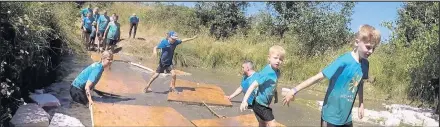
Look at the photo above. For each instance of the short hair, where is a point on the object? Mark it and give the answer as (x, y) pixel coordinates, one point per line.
(277, 49)
(106, 54)
(368, 34)
(250, 63)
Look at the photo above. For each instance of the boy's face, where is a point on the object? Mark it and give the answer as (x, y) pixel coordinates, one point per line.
(244, 68)
(106, 62)
(365, 49)
(275, 60)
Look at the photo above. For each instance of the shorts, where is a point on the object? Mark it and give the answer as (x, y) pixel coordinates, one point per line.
(349, 124)
(262, 113)
(111, 42)
(88, 31)
(78, 95)
(161, 68)
(100, 33)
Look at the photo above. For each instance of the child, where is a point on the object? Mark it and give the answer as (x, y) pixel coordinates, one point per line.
(92, 36)
(87, 27)
(134, 21)
(345, 75)
(80, 91)
(249, 75)
(167, 45)
(112, 33)
(267, 86)
(102, 23)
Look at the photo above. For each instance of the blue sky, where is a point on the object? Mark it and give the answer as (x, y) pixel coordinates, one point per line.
(372, 13)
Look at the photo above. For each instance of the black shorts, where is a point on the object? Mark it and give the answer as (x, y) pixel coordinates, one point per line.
(100, 33)
(78, 95)
(262, 113)
(161, 68)
(349, 124)
(88, 31)
(111, 42)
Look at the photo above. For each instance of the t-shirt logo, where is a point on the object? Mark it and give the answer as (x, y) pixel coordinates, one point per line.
(354, 83)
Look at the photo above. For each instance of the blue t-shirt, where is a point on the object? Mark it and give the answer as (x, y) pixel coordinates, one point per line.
(85, 11)
(113, 30)
(267, 82)
(134, 19)
(246, 83)
(88, 23)
(103, 21)
(166, 57)
(91, 73)
(345, 75)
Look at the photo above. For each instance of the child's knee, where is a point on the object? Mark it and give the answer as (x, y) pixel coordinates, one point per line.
(271, 123)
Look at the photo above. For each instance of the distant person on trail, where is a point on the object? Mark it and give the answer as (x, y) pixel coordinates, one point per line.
(87, 27)
(266, 82)
(167, 46)
(112, 33)
(134, 21)
(102, 23)
(249, 76)
(346, 75)
(85, 82)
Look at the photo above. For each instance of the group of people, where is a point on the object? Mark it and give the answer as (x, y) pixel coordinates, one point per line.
(106, 29)
(345, 75)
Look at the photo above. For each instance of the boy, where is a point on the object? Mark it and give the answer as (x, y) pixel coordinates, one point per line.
(112, 33)
(345, 75)
(92, 36)
(80, 91)
(87, 27)
(102, 22)
(167, 47)
(134, 21)
(85, 11)
(267, 86)
(249, 75)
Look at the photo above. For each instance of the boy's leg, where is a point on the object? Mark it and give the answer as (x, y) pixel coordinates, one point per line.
(135, 29)
(159, 70)
(78, 95)
(173, 78)
(129, 32)
(271, 123)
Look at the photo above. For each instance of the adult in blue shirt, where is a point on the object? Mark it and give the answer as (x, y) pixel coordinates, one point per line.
(87, 79)
(249, 76)
(134, 21)
(167, 46)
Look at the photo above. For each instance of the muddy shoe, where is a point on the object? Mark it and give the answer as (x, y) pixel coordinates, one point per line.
(147, 90)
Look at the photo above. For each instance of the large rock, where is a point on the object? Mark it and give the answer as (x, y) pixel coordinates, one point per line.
(61, 120)
(45, 100)
(30, 115)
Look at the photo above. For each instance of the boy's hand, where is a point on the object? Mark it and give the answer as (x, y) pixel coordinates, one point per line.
(289, 96)
(361, 111)
(243, 106)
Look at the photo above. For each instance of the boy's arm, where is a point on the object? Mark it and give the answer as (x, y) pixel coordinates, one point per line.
(237, 92)
(305, 84)
(88, 91)
(105, 31)
(361, 99)
(248, 93)
(119, 31)
(189, 39)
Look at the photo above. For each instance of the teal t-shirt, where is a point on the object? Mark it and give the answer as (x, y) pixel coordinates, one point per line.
(345, 75)
(246, 83)
(267, 82)
(113, 30)
(85, 11)
(92, 73)
(103, 22)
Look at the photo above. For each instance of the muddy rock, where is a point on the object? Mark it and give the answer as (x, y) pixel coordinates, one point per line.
(61, 120)
(45, 100)
(30, 115)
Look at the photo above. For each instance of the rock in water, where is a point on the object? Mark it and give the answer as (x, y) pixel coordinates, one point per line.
(30, 115)
(61, 120)
(45, 100)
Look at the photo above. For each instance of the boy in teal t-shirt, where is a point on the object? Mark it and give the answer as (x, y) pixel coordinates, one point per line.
(345, 75)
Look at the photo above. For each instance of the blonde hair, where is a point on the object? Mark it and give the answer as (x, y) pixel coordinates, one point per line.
(368, 34)
(277, 49)
(106, 54)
